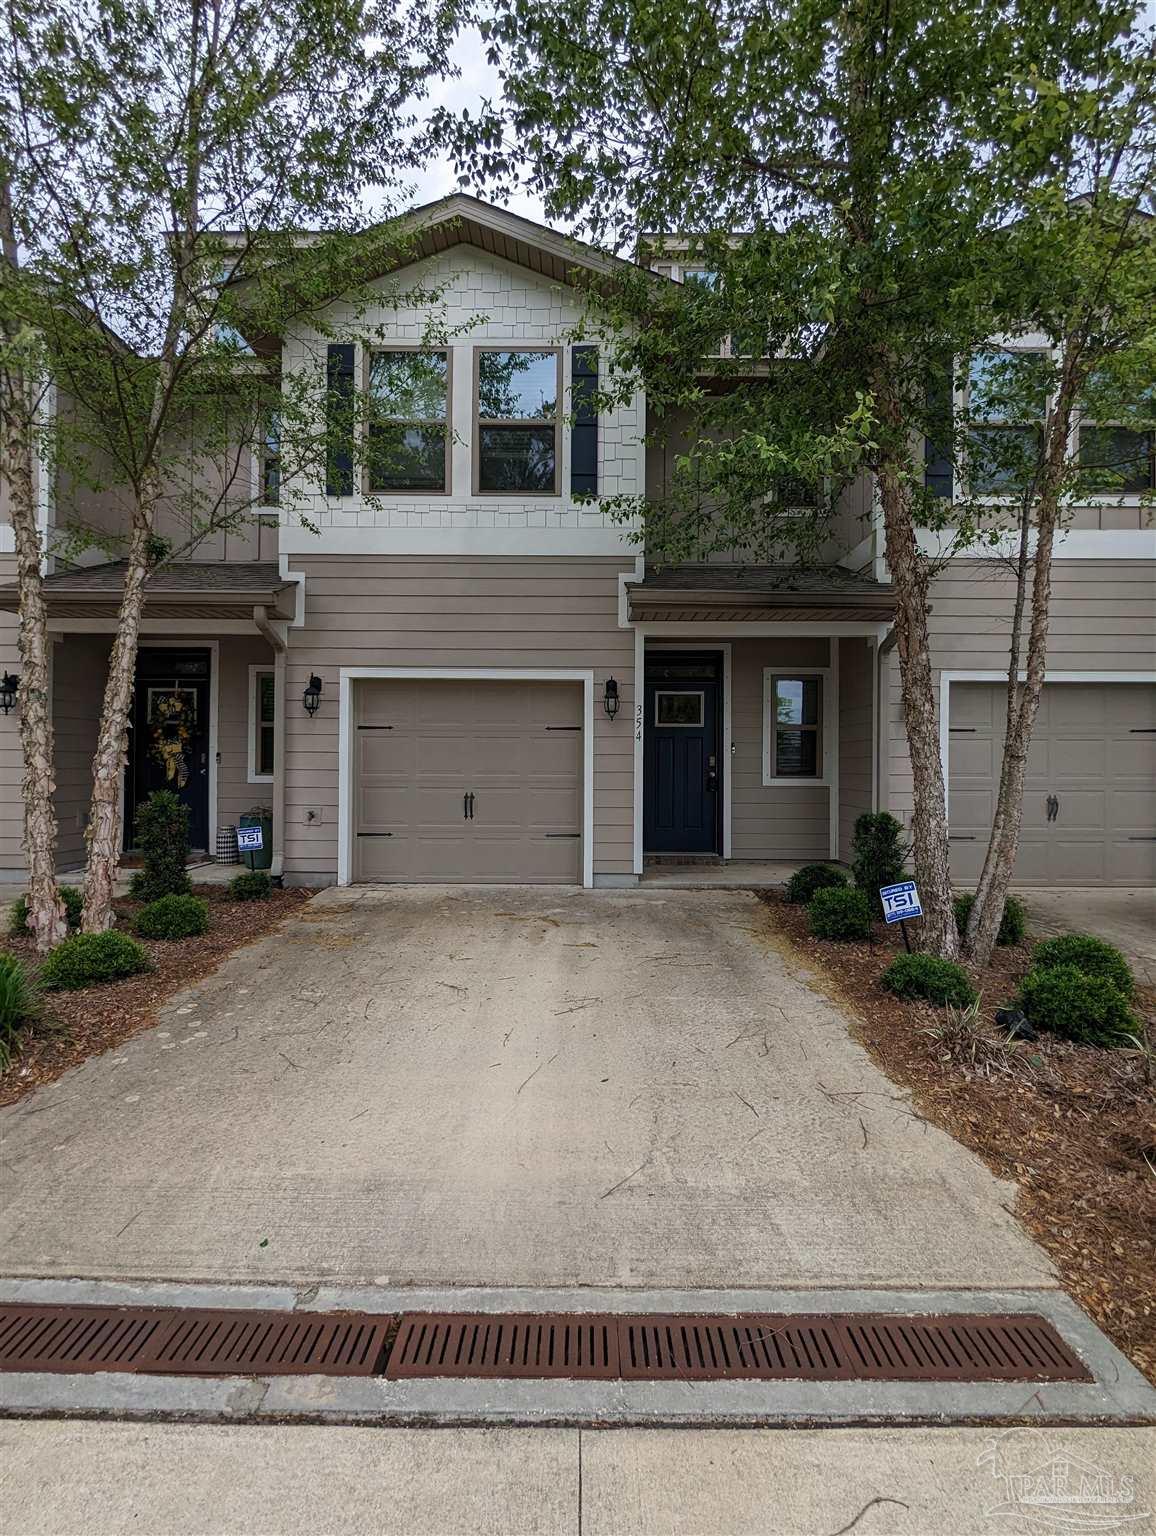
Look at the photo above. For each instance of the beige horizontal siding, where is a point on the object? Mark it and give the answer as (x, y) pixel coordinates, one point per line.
(856, 661)
(79, 670)
(235, 794)
(453, 612)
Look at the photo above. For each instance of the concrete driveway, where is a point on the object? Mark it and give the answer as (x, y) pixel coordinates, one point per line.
(502, 1087)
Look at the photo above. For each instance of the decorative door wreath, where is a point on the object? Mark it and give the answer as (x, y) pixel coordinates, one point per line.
(173, 717)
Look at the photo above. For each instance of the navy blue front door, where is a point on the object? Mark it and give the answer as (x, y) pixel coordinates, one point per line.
(682, 766)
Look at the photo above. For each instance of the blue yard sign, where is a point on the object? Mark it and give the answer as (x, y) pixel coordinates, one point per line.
(900, 901)
(252, 840)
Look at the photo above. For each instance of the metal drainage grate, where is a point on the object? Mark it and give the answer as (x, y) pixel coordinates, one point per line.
(482, 1344)
(191, 1341)
(847, 1347)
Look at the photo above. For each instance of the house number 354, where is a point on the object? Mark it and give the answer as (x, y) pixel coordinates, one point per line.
(638, 722)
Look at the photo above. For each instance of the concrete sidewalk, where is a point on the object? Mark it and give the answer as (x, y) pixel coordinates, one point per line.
(65, 1478)
(503, 1087)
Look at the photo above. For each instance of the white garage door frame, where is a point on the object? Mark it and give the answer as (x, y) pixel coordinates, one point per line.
(947, 678)
(347, 676)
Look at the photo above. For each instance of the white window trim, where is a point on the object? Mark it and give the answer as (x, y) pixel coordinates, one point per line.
(828, 726)
(255, 671)
(347, 676)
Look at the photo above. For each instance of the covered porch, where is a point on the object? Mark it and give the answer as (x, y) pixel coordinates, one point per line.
(205, 722)
(756, 725)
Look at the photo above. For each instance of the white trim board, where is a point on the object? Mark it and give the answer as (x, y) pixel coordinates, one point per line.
(542, 543)
(1071, 544)
(947, 678)
(347, 676)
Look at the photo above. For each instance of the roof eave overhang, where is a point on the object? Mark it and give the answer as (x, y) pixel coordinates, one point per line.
(229, 607)
(663, 606)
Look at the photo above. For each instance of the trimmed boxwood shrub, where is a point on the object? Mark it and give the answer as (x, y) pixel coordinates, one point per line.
(878, 852)
(930, 977)
(814, 877)
(173, 917)
(88, 959)
(840, 912)
(1088, 954)
(19, 1004)
(1089, 1009)
(162, 835)
(1013, 924)
(253, 885)
(71, 895)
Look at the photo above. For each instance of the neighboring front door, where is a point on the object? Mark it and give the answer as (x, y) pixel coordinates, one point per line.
(169, 747)
(682, 767)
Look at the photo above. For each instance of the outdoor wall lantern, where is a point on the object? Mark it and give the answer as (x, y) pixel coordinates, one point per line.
(8, 687)
(312, 695)
(610, 698)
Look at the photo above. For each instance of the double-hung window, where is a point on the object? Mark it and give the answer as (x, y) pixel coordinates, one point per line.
(1007, 404)
(408, 421)
(516, 431)
(262, 717)
(1116, 458)
(793, 745)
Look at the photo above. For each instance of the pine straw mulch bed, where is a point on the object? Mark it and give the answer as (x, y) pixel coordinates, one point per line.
(1073, 1126)
(77, 1025)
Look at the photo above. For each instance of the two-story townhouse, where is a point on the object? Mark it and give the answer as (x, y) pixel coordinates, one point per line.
(467, 671)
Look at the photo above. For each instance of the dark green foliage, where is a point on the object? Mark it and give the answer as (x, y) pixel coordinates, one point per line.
(162, 835)
(88, 959)
(1068, 1001)
(173, 917)
(1013, 925)
(840, 912)
(878, 851)
(71, 895)
(1088, 954)
(927, 976)
(19, 1004)
(253, 885)
(811, 878)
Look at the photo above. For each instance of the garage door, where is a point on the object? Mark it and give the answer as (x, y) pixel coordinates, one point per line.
(468, 781)
(1090, 800)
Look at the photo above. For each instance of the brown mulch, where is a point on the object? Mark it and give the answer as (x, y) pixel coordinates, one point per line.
(1073, 1126)
(77, 1025)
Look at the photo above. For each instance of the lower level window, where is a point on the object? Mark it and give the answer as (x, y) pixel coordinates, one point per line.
(262, 712)
(793, 726)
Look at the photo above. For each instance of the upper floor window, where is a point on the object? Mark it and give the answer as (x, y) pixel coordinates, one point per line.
(1114, 458)
(271, 462)
(1007, 404)
(700, 277)
(408, 421)
(516, 432)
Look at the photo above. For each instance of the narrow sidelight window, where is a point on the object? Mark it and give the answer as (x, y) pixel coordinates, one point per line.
(794, 727)
(516, 437)
(408, 416)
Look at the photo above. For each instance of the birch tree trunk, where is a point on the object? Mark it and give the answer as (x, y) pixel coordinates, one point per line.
(46, 913)
(1024, 699)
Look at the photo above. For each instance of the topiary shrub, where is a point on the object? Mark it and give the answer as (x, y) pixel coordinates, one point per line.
(1013, 925)
(1088, 954)
(88, 959)
(162, 835)
(72, 897)
(811, 878)
(878, 851)
(19, 1004)
(1089, 1009)
(173, 917)
(253, 885)
(840, 912)
(928, 976)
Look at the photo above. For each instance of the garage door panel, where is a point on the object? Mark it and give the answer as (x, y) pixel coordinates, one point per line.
(436, 741)
(1092, 750)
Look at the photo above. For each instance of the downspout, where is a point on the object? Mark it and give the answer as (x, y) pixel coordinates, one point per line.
(278, 646)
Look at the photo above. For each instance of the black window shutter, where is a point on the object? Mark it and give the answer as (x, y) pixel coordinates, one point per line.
(584, 432)
(339, 424)
(937, 459)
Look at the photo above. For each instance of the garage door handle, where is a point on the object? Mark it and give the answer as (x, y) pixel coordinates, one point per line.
(470, 798)
(466, 807)
(1053, 807)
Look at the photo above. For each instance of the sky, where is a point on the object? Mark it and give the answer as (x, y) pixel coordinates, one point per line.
(477, 82)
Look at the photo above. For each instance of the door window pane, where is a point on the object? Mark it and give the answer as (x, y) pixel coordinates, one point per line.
(678, 709)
